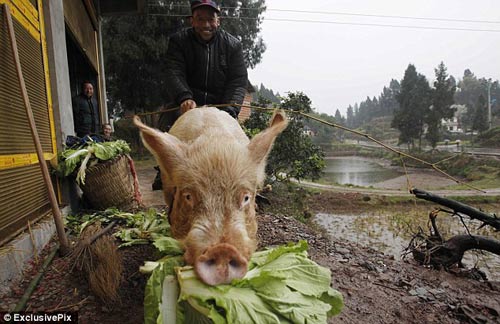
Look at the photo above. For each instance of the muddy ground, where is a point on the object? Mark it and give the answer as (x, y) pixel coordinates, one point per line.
(376, 287)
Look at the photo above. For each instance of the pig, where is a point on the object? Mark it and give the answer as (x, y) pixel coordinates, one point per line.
(210, 173)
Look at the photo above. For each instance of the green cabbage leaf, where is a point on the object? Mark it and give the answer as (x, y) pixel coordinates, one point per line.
(282, 286)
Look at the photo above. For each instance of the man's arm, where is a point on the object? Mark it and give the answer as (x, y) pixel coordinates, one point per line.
(176, 82)
(237, 79)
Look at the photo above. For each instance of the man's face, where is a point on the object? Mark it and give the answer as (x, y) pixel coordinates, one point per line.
(205, 22)
(106, 130)
(88, 90)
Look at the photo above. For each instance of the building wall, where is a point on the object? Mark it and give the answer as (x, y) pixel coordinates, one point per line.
(245, 111)
(40, 30)
(58, 68)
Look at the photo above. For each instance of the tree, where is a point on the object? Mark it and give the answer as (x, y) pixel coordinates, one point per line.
(480, 120)
(442, 100)
(495, 98)
(350, 116)
(387, 99)
(242, 18)
(134, 60)
(413, 100)
(324, 134)
(468, 91)
(135, 47)
(267, 94)
(371, 108)
(338, 117)
(293, 154)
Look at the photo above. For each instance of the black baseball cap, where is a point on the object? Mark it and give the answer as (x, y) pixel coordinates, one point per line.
(198, 3)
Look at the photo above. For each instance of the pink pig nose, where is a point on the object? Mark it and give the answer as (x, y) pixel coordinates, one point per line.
(220, 264)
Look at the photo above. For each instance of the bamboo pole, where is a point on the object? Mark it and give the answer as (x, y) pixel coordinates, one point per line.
(63, 239)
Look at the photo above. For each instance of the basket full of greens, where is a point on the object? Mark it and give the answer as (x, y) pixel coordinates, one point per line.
(104, 171)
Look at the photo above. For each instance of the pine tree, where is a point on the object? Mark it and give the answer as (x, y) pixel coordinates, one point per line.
(480, 120)
(338, 117)
(414, 101)
(350, 117)
(468, 91)
(442, 100)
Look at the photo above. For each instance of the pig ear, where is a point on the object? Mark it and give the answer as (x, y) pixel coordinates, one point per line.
(262, 143)
(167, 149)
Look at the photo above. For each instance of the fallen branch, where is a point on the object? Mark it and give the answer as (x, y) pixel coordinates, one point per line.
(434, 250)
(452, 251)
(473, 213)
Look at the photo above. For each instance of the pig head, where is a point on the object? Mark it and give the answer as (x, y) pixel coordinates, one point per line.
(210, 174)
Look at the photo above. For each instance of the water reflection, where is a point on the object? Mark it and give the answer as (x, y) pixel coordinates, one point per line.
(390, 233)
(356, 171)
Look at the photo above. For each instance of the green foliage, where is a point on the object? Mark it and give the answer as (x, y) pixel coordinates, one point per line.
(469, 90)
(267, 94)
(247, 29)
(414, 101)
(442, 100)
(380, 128)
(338, 117)
(293, 154)
(490, 138)
(480, 120)
(134, 51)
(324, 134)
(126, 130)
(88, 154)
(371, 108)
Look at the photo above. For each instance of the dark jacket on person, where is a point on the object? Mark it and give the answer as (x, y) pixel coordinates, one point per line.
(208, 73)
(85, 115)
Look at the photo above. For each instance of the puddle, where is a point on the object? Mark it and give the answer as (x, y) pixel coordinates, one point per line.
(390, 233)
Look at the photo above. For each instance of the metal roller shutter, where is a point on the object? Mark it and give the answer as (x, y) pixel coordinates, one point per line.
(23, 196)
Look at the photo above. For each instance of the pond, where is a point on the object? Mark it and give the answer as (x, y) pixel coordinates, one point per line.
(356, 171)
(391, 232)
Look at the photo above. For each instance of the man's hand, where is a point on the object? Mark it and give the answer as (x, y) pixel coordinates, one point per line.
(187, 105)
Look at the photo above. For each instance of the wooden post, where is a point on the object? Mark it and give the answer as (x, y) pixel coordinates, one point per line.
(63, 240)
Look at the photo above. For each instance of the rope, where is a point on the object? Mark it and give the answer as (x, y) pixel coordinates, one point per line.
(367, 136)
(137, 192)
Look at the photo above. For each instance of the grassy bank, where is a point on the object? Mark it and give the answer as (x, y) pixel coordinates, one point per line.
(302, 203)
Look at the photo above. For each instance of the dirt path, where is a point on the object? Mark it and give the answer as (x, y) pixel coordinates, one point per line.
(397, 187)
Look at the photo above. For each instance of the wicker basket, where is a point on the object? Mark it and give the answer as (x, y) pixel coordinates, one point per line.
(110, 184)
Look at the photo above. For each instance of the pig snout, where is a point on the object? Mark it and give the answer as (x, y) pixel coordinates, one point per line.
(220, 264)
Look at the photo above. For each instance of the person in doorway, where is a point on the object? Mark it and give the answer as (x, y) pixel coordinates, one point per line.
(85, 111)
(205, 65)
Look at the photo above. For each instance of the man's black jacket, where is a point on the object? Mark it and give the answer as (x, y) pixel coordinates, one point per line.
(208, 73)
(85, 115)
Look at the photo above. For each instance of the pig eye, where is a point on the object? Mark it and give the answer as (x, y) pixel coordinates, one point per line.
(245, 199)
(188, 198)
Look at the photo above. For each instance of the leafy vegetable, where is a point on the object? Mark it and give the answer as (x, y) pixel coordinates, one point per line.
(281, 286)
(153, 291)
(145, 227)
(90, 153)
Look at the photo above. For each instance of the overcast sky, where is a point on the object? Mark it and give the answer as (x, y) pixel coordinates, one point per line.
(341, 63)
